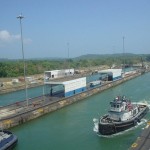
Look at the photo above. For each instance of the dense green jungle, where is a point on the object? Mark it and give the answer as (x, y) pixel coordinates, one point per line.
(14, 68)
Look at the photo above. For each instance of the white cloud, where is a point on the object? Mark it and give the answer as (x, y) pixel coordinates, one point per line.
(6, 36)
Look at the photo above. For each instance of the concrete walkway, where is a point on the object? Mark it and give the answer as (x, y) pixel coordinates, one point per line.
(143, 141)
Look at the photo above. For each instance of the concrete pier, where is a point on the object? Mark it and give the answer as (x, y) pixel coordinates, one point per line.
(143, 141)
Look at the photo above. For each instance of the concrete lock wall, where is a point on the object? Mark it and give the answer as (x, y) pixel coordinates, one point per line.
(49, 107)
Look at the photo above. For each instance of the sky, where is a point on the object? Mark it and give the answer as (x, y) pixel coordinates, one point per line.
(71, 28)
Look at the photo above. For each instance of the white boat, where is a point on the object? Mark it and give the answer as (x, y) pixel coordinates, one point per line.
(121, 116)
(7, 140)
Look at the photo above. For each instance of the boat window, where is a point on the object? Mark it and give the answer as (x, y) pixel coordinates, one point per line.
(117, 106)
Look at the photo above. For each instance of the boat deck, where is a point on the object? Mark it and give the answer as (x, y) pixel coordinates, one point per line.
(143, 141)
(3, 136)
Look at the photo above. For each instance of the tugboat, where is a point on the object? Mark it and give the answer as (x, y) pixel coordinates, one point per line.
(121, 116)
(7, 140)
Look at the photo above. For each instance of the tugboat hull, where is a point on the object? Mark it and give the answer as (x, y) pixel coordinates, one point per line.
(116, 127)
(109, 129)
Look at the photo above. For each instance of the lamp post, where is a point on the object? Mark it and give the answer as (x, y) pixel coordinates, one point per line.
(123, 55)
(20, 17)
(68, 58)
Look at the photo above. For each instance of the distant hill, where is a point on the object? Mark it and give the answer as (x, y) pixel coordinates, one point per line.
(82, 57)
(3, 59)
(97, 56)
(47, 58)
(34, 59)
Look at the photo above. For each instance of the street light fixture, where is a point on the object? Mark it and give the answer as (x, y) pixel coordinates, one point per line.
(20, 17)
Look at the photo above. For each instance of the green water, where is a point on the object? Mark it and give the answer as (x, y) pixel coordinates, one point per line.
(71, 128)
(9, 98)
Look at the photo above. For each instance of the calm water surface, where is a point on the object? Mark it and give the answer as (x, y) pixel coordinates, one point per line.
(72, 127)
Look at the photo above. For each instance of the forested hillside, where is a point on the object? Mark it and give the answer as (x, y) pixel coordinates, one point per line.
(9, 68)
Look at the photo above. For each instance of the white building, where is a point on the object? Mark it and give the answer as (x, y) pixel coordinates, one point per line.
(70, 87)
(58, 73)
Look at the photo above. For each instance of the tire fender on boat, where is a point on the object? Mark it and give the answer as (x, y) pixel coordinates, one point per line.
(138, 120)
(135, 122)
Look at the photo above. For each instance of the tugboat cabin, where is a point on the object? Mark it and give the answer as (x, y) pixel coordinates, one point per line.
(122, 109)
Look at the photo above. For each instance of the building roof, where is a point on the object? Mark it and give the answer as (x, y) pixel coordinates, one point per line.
(110, 70)
(64, 80)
